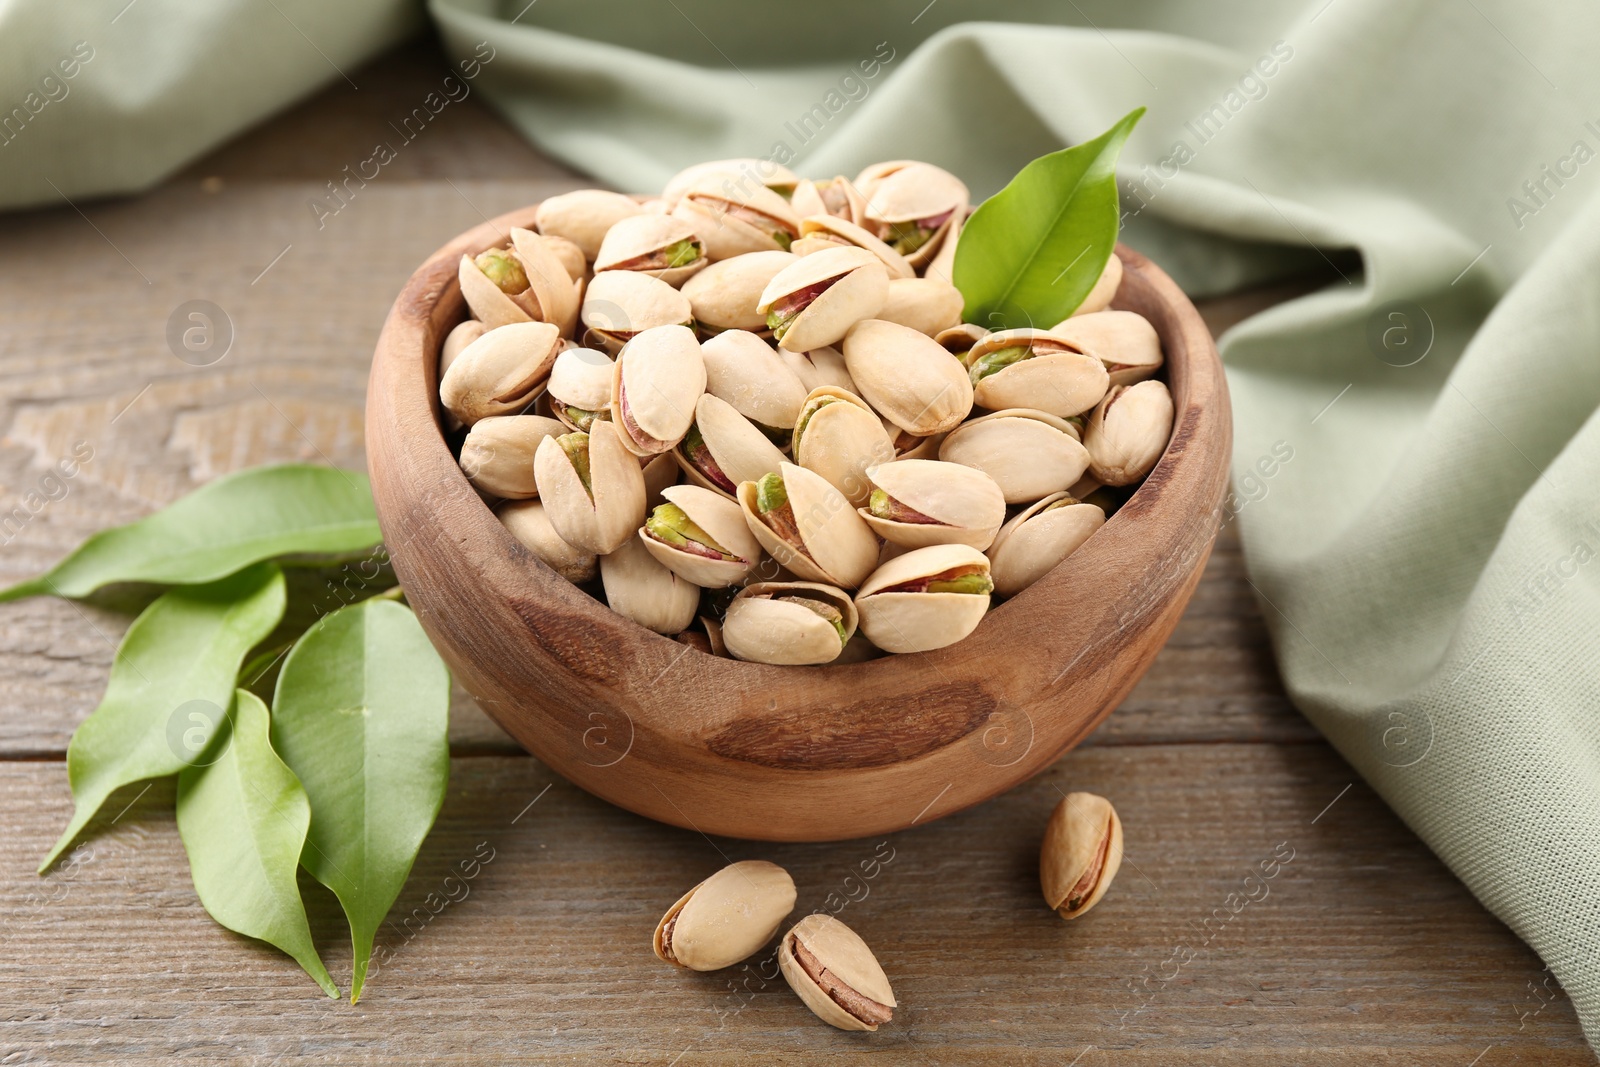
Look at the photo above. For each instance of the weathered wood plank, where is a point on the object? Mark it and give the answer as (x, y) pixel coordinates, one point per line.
(1359, 945)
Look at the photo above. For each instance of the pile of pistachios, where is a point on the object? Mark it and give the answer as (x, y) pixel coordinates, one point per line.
(751, 406)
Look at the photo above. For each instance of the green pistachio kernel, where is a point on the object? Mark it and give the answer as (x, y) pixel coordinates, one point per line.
(770, 493)
(827, 611)
(583, 418)
(998, 360)
(879, 504)
(504, 269)
(780, 319)
(681, 253)
(671, 524)
(1064, 502)
(907, 237)
(784, 239)
(807, 415)
(967, 583)
(576, 446)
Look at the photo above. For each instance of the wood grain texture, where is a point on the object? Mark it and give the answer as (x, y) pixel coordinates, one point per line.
(1366, 950)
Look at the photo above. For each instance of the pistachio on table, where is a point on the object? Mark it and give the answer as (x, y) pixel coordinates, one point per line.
(809, 527)
(639, 587)
(1039, 537)
(1128, 431)
(592, 488)
(579, 387)
(733, 217)
(460, 336)
(585, 216)
(1035, 369)
(722, 448)
(530, 525)
(838, 436)
(925, 599)
(725, 295)
(1081, 853)
(907, 376)
(726, 918)
(497, 455)
(789, 623)
(912, 206)
(1123, 340)
(920, 502)
(500, 372)
(619, 304)
(656, 381)
(701, 537)
(815, 300)
(744, 370)
(834, 972)
(1030, 454)
(658, 245)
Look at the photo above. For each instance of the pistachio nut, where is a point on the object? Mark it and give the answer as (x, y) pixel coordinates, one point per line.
(726, 918)
(656, 382)
(743, 369)
(926, 599)
(921, 502)
(825, 231)
(927, 305)
(701, 537)
(907, 377)
(1037, 538)
(1029, 454)
(1123, 340)
(584, 216)
(570, 255)
(1128, 431)
(724, 295)
(497, 455)
(819, 367)
(733, 219)
(1081, 853)
(723, 448)
(1035, 369)
(736, 174)
(660, 473)
(1105, 288)
(579, 389)
(837, 435)
(621, 303)
(835, 197)
(592, 488)
(959, 339)
(529, 523)
(501, 372)
(834, 972)
(554, 291)
(640, 588)
(460, 336)
(815, 300)
(943, 264)
(912, 206)
(809, 527)
(789, 623)
(658, 245)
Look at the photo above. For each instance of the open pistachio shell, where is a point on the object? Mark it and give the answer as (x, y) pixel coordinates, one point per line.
(922, 502)
(1123, 340)
(584, 216)
(736, 174)
(497, 455)
(815, 300)
(943, 265)
(1105, 288)
(743, 369)
(901, 621)
(838, 436)
(1081, 853)
(501, 372)
(460, 336)
(660, 473)
(621, 303)
(579, 389)
(733, 219)
(1057, 377)
(530, 525)
(658, 245)
(780, 622)
(913, 207)
(837, 231)
(927, 305)
(638, 587)
(1029, 454)
(602, 514)
(1039, 537)
(725, 559)
(835, 974)
(552, 287)
(828, 541)
(959, 339)
(656, 382)
(726, 918)
(835, 197)
(1128, 432)
(489, 303)
(724, 295)
(724, 448)
(819, 367)
(907, 377)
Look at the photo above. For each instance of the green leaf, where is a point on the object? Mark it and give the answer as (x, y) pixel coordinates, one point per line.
(1031, 253)
(361, 714)
(243, 821)
(171, 683)
(220, 528)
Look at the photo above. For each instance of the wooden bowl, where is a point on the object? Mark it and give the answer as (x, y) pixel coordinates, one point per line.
(787, 753)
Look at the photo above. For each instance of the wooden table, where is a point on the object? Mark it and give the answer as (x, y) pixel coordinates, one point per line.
(1364, 950)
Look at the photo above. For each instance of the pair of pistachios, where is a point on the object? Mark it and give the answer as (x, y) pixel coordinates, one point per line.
(732, 915)
(762, 383)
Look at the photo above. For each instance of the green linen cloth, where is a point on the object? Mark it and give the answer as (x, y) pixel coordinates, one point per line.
(1417, 459)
